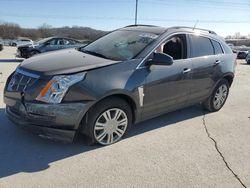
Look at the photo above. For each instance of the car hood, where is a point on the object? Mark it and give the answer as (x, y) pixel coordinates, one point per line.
(29, 45)
(24, 46)
(64, 62)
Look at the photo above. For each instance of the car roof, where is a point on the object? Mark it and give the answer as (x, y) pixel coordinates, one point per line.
(160, 30)
(145, 28)
(56, 37)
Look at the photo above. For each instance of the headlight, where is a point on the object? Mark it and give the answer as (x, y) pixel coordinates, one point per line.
(56, 88)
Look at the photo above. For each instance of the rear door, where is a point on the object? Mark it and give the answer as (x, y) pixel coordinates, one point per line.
(204, 63)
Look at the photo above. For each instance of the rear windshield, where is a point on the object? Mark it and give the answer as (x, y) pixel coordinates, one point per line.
(121, 45)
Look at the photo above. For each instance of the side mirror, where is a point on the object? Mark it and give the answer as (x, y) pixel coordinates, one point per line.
(160, 59)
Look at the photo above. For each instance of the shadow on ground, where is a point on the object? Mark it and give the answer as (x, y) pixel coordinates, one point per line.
(11, 60)
(20, 151)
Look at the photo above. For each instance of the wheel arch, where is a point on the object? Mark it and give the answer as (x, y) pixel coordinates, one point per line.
(127, 98)
(229, 77)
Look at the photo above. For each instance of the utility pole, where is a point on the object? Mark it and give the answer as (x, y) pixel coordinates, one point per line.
(136, 6)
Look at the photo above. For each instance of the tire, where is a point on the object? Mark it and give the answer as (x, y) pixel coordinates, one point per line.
(218, 96)
(106, 133)
(32, 53)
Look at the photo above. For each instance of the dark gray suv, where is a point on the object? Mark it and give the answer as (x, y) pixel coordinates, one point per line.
(129, 75)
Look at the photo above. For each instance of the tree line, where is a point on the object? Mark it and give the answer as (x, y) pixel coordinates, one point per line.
(13, 31)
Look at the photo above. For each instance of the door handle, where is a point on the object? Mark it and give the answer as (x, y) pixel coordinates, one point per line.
(217, 62)
(186, 70)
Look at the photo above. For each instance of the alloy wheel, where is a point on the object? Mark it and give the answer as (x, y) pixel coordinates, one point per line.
(220, 96)
(110, 126)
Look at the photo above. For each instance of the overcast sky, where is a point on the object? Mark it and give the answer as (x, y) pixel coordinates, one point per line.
(224, 17)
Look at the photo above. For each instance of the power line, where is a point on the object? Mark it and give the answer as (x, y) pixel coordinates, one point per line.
(213, 2)
(63, 17)
(198, 4)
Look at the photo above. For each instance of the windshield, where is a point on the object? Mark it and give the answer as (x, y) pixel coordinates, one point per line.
(120, 45)
(42, 40)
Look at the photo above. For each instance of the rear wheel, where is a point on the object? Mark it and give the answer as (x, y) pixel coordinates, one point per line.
(108, 121)
(218, 97)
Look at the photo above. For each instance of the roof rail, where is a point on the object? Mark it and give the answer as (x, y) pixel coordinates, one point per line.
(140, 25)
(185, 27)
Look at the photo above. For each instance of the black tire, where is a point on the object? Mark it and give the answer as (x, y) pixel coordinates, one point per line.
(89, 123)
(209, 104)
(32, 53)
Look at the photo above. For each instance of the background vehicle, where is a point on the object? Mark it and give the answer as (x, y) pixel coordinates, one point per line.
(1, 45)
(248, 58)
(20, 42)
(46, 45)
(130, 75)
(242, 54)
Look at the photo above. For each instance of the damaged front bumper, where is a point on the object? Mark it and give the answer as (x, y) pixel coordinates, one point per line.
(53, 121)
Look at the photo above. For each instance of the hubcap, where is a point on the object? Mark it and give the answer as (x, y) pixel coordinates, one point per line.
(110, 126)
(220, 96)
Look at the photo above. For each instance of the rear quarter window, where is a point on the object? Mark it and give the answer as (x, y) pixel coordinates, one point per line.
(201, 46)
(217, 47)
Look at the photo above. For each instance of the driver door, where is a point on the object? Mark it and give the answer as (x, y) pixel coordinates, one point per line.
(167, 87)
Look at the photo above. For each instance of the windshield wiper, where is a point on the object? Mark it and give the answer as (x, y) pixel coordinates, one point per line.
(94, 53)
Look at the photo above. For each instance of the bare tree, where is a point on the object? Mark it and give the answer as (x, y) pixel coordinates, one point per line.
(13, 31)
(9, 30)
(44, 30)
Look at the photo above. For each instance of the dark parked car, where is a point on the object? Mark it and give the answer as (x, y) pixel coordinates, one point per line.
(242, 54)
(46, 45)
(1, 46)
(248, 58)
(129, 75)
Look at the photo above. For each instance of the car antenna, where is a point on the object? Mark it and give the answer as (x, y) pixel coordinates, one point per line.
(197, 21)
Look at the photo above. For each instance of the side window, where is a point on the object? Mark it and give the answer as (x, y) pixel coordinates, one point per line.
(60, 42)
(201, 46)
(217, 47)
(69, 42)
(175, 46)
(66, 41)
(72, 42)
(52, 42)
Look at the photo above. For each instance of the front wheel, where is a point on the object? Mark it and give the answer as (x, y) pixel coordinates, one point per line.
(218, 97)
(109, 121)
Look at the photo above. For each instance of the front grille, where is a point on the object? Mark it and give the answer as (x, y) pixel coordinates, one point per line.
(19, 82)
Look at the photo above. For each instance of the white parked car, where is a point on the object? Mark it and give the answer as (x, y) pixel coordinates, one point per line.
(20, 42)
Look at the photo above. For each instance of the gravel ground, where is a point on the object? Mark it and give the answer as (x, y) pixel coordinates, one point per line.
(186, 148)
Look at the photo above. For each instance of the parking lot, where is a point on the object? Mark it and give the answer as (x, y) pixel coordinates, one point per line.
(186, 148)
